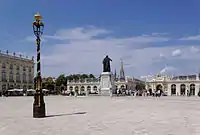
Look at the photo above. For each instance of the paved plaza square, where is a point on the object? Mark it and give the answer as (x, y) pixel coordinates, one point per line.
(102, 116)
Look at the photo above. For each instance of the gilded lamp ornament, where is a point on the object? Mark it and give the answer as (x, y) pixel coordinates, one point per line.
(38, 25)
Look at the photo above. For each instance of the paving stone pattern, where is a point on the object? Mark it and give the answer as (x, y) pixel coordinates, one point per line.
(102, 116)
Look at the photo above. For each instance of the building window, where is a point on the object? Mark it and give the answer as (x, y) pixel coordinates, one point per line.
(18, 79)
(88, 89)
(17, 67)
(30, 78)
(4, 87)
(95, 89)
(71, 88)
(173, 89)
(183, 89)
(11, 77)
(4, 76)
(24, 78)
(11, 87)
(29, 69)
(11, 66)
(192, 89)
(24, 68)
(18, 86)
(3, 65)
(30, 87)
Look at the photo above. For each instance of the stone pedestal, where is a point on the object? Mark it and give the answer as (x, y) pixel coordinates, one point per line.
(39, 105)
(107, 84)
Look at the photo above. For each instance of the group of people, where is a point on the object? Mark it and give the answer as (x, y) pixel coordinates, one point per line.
(144, 92)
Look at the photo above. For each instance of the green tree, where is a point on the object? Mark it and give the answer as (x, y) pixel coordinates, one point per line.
(83, 76)
(61, 80)
(50, 84)
(91, 76)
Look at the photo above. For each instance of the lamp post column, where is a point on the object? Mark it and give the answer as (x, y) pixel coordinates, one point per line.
(38, 105)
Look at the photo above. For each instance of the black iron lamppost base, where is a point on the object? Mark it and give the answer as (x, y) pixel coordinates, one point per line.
(39, 110)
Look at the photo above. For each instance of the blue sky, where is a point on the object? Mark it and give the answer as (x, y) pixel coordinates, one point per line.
(150, 36)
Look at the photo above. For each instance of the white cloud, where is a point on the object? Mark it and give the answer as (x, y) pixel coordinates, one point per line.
(159, 34)
(82, 51)
(197, 37)
(77, 33)
(176, 52)
(167, 70)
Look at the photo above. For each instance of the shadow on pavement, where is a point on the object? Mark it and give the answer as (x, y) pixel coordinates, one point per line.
(64, 114)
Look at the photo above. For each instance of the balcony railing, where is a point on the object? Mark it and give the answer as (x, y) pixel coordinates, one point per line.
(18, 81)
(4, 80)
(30, 81)
(11, 80)
(24, 81)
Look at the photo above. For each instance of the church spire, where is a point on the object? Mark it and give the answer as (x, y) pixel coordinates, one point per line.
(115, 74)
(122, 76)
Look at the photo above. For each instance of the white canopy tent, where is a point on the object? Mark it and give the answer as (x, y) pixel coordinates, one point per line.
(20, 90)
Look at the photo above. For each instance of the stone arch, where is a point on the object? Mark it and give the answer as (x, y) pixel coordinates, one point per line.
(95, 89)
(71, 88)
(192, 89)
(150, 91)
(173, 89)
(82, 90)
(159, 87)
(76, 89)
(122, 87)
(89, 89)
(182, 89)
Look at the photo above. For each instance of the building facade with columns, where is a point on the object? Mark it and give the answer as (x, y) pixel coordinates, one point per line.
(178, 85)
(90, 85)
(16, 72)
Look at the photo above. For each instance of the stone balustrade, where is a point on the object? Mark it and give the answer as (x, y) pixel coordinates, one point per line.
(16, 56)
(90, 80)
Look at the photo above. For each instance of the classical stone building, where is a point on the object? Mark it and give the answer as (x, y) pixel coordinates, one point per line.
(93, 85)
(16, 72)
(89, 85)
(178, 85)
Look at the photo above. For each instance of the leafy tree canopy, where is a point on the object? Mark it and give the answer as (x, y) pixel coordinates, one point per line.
(61, 80)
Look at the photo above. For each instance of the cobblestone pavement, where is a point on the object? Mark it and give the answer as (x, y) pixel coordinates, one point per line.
(102, 116)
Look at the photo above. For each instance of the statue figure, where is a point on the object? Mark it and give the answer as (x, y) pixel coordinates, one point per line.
(106, 64)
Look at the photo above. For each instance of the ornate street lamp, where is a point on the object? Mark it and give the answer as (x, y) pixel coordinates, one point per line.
(38, 105)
